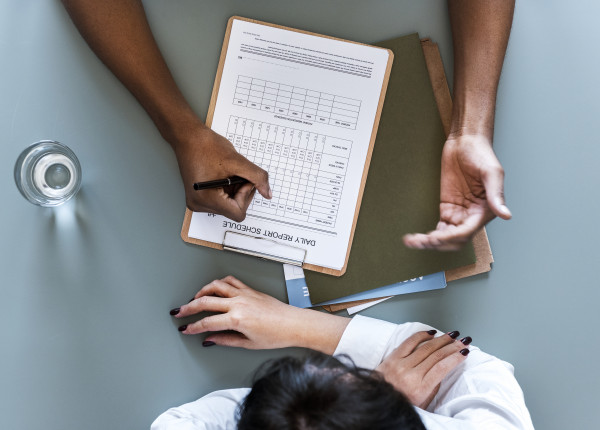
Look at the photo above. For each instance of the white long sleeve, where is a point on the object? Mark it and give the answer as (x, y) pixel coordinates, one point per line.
(215, 411)
(481, 393)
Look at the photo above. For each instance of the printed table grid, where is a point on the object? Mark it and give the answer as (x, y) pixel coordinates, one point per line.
(295, 102)
(306, 170)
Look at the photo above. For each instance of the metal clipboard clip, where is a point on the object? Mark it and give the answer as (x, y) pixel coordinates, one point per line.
(263, 248)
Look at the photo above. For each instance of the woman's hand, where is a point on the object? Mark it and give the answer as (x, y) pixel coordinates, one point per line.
(254, 320)
(419, 364)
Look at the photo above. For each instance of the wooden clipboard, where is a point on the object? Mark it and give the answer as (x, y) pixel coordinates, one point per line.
(209, 118)
(481, 244)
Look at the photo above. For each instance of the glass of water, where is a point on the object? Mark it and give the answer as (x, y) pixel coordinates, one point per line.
(48, 173)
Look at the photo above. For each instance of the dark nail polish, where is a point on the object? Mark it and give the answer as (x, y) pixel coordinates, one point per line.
(466, 340)
(432, 332)
(464, 352)
(182, 328)
(454, 334)
(174, 312)
(208, 343)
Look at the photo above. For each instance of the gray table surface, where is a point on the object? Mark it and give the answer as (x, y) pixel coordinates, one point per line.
(85, 290)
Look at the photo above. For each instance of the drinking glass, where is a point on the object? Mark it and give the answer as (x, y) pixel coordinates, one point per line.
(48, 173)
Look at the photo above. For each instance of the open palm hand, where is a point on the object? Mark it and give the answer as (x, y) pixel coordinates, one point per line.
(471, 195)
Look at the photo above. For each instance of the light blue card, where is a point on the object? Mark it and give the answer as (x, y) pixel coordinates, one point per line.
(298, 292)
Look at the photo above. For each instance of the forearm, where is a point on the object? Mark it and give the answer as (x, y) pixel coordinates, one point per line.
(480, 30)
(317, 330)
(118, 32)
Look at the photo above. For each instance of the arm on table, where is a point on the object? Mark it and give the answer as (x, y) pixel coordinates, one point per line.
(255, 320)
(472, 179)
(119, 34)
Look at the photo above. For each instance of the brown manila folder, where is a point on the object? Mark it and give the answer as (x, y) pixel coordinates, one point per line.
(443, 101)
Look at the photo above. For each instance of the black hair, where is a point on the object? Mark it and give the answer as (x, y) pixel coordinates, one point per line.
(320, 392)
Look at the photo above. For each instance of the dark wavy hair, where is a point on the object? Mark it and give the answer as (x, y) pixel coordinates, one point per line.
(320, 392)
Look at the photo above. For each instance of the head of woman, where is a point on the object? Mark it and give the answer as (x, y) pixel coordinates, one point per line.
(320, 392)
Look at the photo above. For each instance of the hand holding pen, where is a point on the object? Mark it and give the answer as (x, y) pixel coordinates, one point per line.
(207, 156)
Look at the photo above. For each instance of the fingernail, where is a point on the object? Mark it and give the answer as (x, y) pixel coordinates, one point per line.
(182, 327)
(174, 312)
(464, 352)
(453, 334)
(466, 340)
(432, 332)
(208, 343)
(503, 207)
(270, 193)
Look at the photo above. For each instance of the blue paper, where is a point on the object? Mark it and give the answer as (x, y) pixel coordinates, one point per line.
(298, 292)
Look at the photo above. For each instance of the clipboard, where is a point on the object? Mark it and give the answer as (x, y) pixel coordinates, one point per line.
(257, 246)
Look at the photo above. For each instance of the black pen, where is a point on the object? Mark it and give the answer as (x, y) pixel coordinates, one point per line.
(220, 183)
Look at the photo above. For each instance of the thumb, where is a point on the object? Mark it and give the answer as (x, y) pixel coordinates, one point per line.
(493, 181)
(244, 196)
(259, 177)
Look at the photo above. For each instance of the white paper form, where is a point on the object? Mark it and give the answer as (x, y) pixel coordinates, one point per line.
(301, 107)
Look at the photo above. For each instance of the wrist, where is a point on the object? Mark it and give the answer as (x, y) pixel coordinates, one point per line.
(180, 129)
(473, 114)
(173, 117)
(316, 330)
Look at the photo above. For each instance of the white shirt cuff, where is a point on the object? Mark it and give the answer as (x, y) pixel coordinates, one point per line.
(365, 341)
